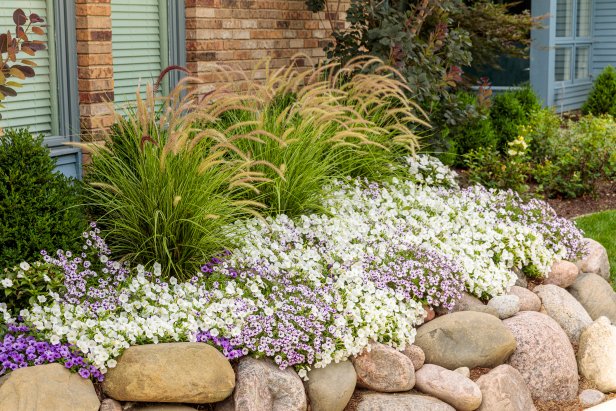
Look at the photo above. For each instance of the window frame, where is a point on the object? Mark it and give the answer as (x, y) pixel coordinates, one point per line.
(574, 42)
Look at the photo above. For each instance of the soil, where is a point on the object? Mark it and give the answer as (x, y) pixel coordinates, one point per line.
(603, 199)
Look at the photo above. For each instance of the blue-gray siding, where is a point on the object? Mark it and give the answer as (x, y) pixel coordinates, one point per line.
(604, 35)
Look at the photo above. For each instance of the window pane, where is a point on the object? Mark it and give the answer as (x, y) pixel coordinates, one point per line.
(562, 68)
(582, 57)
(583, 18)
(564, 18)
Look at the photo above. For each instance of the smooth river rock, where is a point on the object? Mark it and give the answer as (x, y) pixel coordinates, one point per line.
(504, 389)
(416, 354)
(48, 387)
(562, 274)
(449, 386)
(468, 303)
(529, 301)
(597, 261)
(176, 372)
(401, 402)
(597, 354)
(596, 296)
(590, 398)
(465, 339)
(331, 388)
(564, 309)
(505, 305)
(544, 356)
(262, 385)
(384, 369)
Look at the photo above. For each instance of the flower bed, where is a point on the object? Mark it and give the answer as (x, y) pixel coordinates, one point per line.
(302, 291)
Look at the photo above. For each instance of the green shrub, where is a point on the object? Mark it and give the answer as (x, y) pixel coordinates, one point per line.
(507, 114)
(602, 98)
(38, 206)
(475, 132)
(528, 99)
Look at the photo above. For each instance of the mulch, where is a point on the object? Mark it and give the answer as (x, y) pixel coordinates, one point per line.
(603, 199)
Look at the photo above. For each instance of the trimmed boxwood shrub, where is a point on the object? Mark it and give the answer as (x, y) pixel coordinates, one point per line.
(602, 98)
(38, 206)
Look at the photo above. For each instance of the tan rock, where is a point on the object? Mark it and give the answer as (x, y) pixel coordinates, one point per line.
(465, 371)
(596, 261)
(543, 356)
(465, 339)
(416, 354)
(597, 354)
(384, 369)
(448, 386)
(564, 309)
(331, 388)
(400, 402)
(48, 387)
(505, 305)
(562, 274)
(529, 301)
(261, 385)
(606, 406)
(504, 389)
(110, 404)
(596, 296)
(164, 407)
(468, 303)
(177, 372)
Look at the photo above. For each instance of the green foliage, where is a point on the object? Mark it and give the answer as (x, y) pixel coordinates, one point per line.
(487, 166)
(602, 98)
(475, 132)
(13, 44)
(37, 205)
(28, 283)
(509, 111)
(570, 161)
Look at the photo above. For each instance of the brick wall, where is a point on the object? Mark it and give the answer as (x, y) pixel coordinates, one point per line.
(241, 32)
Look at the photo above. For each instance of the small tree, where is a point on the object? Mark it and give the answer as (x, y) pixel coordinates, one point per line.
(14, 69)
(602, 98)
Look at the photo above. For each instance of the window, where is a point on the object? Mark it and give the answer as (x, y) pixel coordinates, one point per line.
(573, 40)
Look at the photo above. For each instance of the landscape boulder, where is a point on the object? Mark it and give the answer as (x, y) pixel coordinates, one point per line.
(262, 385)
(384, 369)
(596, 261)
(175, 372)
(49, 387)
(564, 309)
(544, 356)
(596, 296)
(562, 274)
(529, 301)
(465, 339)
(468, 303)
(448, 386)
(597, 354)
(504, 389)
(400, 402)
(416, 354)
(331, 388)
(505, 305)
(590, 398)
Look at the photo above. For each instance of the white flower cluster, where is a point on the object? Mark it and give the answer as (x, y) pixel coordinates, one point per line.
(427, 170)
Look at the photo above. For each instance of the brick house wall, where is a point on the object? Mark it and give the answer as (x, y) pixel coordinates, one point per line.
(234, 32)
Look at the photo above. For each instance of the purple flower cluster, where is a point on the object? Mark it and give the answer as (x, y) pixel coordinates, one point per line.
(221, 343)
(423, 275)
(83, 283)
(19, 349)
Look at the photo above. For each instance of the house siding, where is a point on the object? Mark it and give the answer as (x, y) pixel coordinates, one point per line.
(604, 35)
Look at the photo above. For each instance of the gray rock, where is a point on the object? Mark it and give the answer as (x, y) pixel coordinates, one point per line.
(384, 369)
(521, 281)
(504, 389)
(596, 261)
(331, 388)
(48, 387)
(562, 274)
(176, 372)
(565, 310)
(465, 371)
(416, 354)
(109, 404)
(596, 296)
(465, 339)
(597, 354)
(529, 301)
(543, 356)
(261, 385)
(505, 305)
(448, 386)
(590, 398)
(400, 402)
(468, 303)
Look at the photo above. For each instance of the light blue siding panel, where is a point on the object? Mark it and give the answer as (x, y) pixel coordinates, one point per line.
(68, 161)
(604, 35)
(570, 97)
